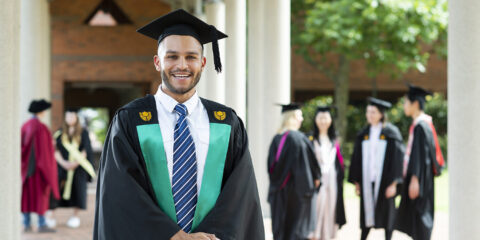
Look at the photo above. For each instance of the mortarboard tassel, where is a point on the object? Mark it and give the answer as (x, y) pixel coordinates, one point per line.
(216, 52)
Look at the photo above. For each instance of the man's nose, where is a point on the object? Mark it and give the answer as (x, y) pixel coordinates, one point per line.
(183, 63)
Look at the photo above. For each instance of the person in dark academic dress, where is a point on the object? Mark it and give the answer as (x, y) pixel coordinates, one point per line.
(174, 165)
(423, 160)
(294, 178)
(376, 169)
(39, 168)
(75, 166)
(329, 210)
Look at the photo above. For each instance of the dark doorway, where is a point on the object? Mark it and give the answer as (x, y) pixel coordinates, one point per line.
(103, 95)
(97, 95)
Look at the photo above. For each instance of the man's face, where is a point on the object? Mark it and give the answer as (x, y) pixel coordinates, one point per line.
(180, 62)
(408, 107)
(373, 115)
(323, 120)
(71, 118)
(299, 117)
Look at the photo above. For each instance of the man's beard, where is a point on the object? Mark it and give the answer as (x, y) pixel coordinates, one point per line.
(166, 81)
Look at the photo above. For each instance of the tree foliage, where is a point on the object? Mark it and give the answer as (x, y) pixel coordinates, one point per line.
(391, 36)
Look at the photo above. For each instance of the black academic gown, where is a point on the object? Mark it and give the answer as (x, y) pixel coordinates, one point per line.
(290, 203)
(80, 178)
(415, 217)
(340, 218)
(126, 204)
(385, 211)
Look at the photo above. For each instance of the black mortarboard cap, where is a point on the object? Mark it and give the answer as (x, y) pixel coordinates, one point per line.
(290, 107)
(417, 93)
(180, 22)
(325, 108)
(380, 104)
(37, 106)
(72, 109)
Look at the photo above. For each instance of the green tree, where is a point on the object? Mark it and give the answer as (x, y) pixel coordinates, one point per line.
(390, 36)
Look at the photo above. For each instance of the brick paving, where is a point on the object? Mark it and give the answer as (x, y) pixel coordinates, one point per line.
(84, 232)
(350, 231)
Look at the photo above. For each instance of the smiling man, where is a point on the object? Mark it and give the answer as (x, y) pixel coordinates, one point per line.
(174, 165)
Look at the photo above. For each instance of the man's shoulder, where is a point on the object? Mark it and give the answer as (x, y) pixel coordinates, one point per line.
(392, 131)
(297, 134)
(423, 127)
(139, 111)
(145, 102)
(298, 137)
(364, 131)
(220, 113)
(211, 105)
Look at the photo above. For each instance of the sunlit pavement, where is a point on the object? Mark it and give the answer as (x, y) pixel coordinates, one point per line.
(351, 231)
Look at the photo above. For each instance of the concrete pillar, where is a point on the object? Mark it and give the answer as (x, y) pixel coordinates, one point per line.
(215, 82)
(9, 120)
(35, 54)
(235, 62)
(255, 84)
(276, 58)
(463, 113)
(202, 85)
(268, 80)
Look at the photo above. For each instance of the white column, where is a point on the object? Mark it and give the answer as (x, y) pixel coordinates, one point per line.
(235, 62)
(202, 85)
(215, 90)
(269, 79)
(9, 120)
(276, 57)
(35, 54)
(463, 115)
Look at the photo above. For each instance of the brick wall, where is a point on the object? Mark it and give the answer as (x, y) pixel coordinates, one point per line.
(308, 82)
(82, 53)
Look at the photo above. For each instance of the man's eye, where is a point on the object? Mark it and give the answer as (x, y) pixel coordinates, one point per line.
(172, 57)
(192, 57)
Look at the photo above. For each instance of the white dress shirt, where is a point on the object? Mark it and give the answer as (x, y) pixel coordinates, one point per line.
(374, 138)
(198, 124)
(323, 153)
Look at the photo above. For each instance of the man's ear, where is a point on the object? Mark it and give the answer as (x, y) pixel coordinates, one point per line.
(156, 62)
(416, 104)
(204, 61)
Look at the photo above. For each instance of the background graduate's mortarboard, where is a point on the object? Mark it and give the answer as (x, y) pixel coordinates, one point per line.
(37, 106)
(325, 108)
(180, 22)
(290, 107)
(380, 104)
(415, 92)
(72, 109)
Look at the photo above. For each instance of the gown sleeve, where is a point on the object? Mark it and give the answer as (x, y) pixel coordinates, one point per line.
(314, 165)
(45, 159)
(418, 158)
(398, 158)
(296, 151)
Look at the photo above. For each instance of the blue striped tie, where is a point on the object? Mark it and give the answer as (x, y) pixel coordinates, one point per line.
(184, 177)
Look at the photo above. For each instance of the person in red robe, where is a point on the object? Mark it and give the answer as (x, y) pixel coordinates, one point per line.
(39, 168)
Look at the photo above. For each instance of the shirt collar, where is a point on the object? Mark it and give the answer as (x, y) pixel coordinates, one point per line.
(422, 117)
(377, 127)
(169, 103)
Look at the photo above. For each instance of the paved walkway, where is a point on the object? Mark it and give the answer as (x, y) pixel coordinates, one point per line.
(350, 231)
